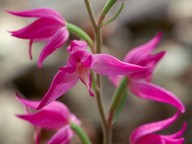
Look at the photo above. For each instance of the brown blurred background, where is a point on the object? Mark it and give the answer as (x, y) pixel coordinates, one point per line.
(139, 21)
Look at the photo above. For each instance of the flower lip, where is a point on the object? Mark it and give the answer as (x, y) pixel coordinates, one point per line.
(83, 57)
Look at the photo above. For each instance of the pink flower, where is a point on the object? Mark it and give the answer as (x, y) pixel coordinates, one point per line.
(145, 134)
(140, 85)
(54, 116)
(79, 65)
(139, 82)
(50, 27)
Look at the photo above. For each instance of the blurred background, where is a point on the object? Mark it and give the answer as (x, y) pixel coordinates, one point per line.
(138, 22)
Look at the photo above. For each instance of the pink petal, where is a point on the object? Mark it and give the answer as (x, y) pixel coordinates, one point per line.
(39, 13)
(63, 136)
(150, 128)
(80, 57)
(45, 119)
(60, 108)
(158, 139)
(77, 45)
(179, 133)
(150, 139)
(109, 65)
(140, 53)
(61, 83)
(56, 41)
(115, 80)
(150, 64)
(28, 103)
(147, 90)
(39, 29)
(163, 139)
(53, 116)
(85, 77)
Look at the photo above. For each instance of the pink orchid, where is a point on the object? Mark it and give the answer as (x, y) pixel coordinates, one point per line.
(50, 26)
(145, 134)
(54, 116)
(79, 65)
(139, 82)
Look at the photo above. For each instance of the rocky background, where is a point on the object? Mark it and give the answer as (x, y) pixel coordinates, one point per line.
(139, 21)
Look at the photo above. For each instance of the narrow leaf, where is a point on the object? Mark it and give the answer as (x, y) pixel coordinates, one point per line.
(119, 107)
(108, 5)
(118, 100)
(114, 17)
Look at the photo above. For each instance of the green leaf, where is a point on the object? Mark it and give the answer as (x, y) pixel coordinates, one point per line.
(108, 5)
(118, 101)
(80, 132)
(119, 107)
(114, 17)
(80, 33)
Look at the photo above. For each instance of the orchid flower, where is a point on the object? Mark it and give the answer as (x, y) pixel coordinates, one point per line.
(139, 82)
(50, 27)
(78, 67)
(145, 134)
(140, 85)
(54, 116)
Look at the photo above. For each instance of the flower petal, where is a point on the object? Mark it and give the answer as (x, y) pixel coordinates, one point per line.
(39, 29)
(150, 128)
(56, 41)
(148, 90)
(150, 64)
(158, 139)
(140, 53)
(108, 65)
(61, 83)
(45, 119)
(85, 77)
(63, 136)
(115, 80)
(27, 103)
(77, 45)
(39, 13)
(179, 133)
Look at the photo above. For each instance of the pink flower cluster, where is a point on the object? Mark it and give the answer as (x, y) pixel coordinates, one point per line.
(138, 66)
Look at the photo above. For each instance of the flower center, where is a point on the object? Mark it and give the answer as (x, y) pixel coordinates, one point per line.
(83, 73)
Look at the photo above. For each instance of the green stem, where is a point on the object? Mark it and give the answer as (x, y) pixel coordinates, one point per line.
(98, 93)
(91, 15)
(80, 132)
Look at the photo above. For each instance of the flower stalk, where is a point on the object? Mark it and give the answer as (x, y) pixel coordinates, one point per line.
(80, 132)
(98, 43)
